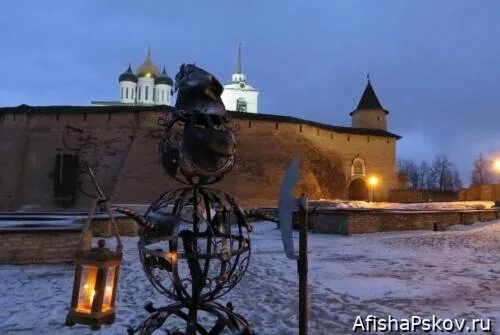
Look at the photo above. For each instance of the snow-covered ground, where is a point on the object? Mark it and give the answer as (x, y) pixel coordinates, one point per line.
(450, 274)
(454, 205)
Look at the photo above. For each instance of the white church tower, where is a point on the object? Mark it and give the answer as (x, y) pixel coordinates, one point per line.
(239, 96)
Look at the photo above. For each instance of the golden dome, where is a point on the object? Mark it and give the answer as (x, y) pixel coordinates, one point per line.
(148, 68)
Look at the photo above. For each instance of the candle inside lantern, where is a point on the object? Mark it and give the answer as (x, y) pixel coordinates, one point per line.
(92, 294)
(108, 291)
(87, 288)
(171, 256)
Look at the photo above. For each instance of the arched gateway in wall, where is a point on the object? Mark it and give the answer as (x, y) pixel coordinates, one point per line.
(358, 189)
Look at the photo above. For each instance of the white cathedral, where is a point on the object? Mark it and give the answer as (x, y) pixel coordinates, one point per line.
(148, 87)
(239, 96)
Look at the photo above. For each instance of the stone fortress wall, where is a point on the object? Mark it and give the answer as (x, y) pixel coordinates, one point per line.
(481, 192)
(121, 144)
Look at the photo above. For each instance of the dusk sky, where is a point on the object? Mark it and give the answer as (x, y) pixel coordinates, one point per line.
(435, 65)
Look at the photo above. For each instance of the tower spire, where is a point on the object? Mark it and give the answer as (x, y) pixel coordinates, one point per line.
(238, 76)
(369, 99)
(238, 70)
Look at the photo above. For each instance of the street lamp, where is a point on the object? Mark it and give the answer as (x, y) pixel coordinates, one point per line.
(496, 168)
(373, 181)
(496, 165)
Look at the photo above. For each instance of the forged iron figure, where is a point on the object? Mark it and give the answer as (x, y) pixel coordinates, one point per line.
(198, 91)
(197, 146)
(194, 242)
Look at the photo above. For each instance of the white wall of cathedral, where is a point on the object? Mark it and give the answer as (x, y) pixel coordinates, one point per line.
(127, 92)
(145, 90)
(163, 94)
(234, 97)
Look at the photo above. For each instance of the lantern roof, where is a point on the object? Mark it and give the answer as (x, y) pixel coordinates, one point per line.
(98, 256)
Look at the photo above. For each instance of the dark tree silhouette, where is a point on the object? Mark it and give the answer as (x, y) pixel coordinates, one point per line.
(441, 176)
(444, 175)
(481, 171)
(418, 175)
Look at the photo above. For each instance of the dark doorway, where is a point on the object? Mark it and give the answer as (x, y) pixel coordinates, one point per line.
(358, 190)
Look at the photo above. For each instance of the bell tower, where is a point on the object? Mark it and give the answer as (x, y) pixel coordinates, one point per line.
(239, 96)
(369, 113)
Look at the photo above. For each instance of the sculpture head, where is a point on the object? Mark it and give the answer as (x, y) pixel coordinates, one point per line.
(198, 144)
(198, 91)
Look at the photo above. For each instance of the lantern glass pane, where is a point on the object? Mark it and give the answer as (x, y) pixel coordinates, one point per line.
(108, 288)
(86, 291)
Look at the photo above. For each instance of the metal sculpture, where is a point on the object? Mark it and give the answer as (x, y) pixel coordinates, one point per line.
(195, 241)
(198, 146)
(287, 205)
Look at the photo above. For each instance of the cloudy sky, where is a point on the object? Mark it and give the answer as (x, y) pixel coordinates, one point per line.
(434, 64)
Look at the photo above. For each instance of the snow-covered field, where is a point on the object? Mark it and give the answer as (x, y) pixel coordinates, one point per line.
(453, 205)
(450, 274)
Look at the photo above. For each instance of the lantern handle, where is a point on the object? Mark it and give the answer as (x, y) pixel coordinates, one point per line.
(94, 182)
(86, 228)
(100, 200)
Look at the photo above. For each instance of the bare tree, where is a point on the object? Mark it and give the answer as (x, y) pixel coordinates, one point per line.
(481, 171)
(444, 175)
(409, 168)
(419, 176)
(424, 174)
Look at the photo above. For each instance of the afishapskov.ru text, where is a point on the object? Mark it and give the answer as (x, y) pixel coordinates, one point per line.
(371, 323)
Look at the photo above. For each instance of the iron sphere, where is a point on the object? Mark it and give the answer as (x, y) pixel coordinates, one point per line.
(197, 244)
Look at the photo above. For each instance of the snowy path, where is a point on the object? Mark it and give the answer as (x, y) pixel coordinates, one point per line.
(451, 274)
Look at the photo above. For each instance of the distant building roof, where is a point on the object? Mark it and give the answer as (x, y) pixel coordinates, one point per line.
(369, 99)
(164, 79)
(291, 119)
(128, 75)
(148, 68)
(114, 107)
(164, 108)
(241, 86)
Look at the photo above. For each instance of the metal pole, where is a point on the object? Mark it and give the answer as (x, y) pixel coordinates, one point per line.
(192, 320)
(302, 267)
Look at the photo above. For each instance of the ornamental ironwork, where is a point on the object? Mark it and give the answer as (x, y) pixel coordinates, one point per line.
(195, 241)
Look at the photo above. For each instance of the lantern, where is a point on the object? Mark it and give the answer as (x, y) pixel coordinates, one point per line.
(94, 288)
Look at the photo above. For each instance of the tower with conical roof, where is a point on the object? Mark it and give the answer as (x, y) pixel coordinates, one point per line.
(369, 114)
(239, 95)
